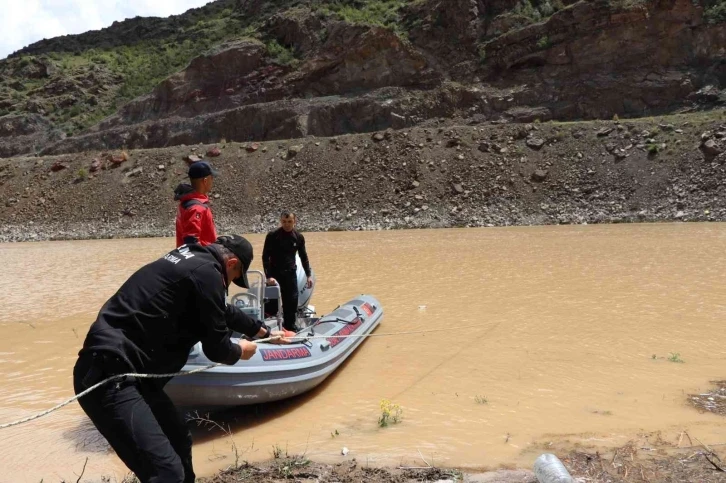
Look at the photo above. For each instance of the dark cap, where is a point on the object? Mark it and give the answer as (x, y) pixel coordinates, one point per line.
(201, 169)
(242, 249)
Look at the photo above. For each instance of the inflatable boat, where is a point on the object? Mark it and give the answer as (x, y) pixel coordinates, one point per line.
(278, 371)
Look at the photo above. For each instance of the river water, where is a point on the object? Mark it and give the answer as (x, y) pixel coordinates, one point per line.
(546, 337)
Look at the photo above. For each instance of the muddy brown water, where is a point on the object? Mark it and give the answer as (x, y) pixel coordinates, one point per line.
(570, 334)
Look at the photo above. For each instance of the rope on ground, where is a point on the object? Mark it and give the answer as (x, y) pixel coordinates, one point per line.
(204, 368)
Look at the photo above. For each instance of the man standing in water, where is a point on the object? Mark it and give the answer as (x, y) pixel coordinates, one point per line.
(149, 326)
(194, 222)
(278, 260)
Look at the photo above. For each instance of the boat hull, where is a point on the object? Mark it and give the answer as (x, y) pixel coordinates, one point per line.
(278, 372)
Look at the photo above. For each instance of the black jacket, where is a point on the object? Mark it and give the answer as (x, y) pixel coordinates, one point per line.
(166, 307)
(278, 254)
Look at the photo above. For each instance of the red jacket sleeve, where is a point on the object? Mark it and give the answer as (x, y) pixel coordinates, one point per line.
(209, 231)
(197, 222)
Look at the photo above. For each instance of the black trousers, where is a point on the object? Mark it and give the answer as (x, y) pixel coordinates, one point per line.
(137, 419)
(288, 292)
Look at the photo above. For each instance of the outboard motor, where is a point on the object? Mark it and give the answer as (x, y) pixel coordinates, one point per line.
(304, 293)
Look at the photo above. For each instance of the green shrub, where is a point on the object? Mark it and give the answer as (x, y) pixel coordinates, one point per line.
(544, 42)
(384, 13)
(715, 13)
(537, 10)
(675, 357)
(390, 413)
(280, 53)
(482, 53)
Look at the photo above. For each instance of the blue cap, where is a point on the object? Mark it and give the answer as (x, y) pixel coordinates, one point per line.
(201, 169)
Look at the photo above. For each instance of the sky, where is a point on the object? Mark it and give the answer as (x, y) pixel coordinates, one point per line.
(23, 22)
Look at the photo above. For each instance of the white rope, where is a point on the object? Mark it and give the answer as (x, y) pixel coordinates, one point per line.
(96, 386)
(200, 369)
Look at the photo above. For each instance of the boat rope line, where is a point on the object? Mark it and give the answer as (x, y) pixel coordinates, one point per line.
(204, 368)
(446, 360)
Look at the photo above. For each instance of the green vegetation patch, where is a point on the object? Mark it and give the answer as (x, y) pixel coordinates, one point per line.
(108, 77)
(384, 13)
(714, 11)
(537, 10)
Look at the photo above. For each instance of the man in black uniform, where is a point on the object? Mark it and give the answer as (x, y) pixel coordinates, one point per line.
(149, 326)
(278, 260)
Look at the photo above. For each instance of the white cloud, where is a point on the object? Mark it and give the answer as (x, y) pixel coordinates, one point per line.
(23, 22)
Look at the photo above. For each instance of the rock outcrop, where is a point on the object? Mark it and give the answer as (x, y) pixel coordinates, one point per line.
(312, 73)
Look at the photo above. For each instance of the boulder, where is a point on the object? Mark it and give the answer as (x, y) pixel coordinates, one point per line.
(539, 175)
(535, 143)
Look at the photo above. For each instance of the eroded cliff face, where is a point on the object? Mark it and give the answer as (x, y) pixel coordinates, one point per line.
(593, 60)
(312, 73)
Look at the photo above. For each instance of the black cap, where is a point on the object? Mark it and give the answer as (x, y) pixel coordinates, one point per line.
(242, 250)
(201, 169)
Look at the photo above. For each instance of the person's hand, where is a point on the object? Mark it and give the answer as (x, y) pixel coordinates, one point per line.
(248, 349)
(280, 337)
(310, 282)
(271, 281)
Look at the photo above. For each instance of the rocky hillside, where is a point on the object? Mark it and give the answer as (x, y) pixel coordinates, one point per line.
(441, 175)
(255, 70)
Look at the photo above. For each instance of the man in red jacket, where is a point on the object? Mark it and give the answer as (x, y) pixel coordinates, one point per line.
(194, 222)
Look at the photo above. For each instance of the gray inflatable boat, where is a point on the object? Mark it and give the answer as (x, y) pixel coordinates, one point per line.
(278, 371)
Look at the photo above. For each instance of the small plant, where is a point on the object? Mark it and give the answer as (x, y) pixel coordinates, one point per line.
(280, 53)
(675, 357)
(482, 54)
(323, 35)
(390, 413)
(544, 42)
(653, 357)
(286, 467)
(334, 434)
(481, 399)
(652, 149)
(278, 452)
(209, 424)
(82, 173)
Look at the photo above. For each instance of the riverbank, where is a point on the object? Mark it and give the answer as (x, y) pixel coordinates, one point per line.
(441, 175)
(652, 457)
(649, 459)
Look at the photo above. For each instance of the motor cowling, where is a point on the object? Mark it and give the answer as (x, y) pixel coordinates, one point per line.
(304, 293)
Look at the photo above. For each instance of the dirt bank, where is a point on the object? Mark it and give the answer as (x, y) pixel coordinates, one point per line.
(647, 459)
(439, 175)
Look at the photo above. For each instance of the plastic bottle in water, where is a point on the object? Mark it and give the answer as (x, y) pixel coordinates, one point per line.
(549, 469)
